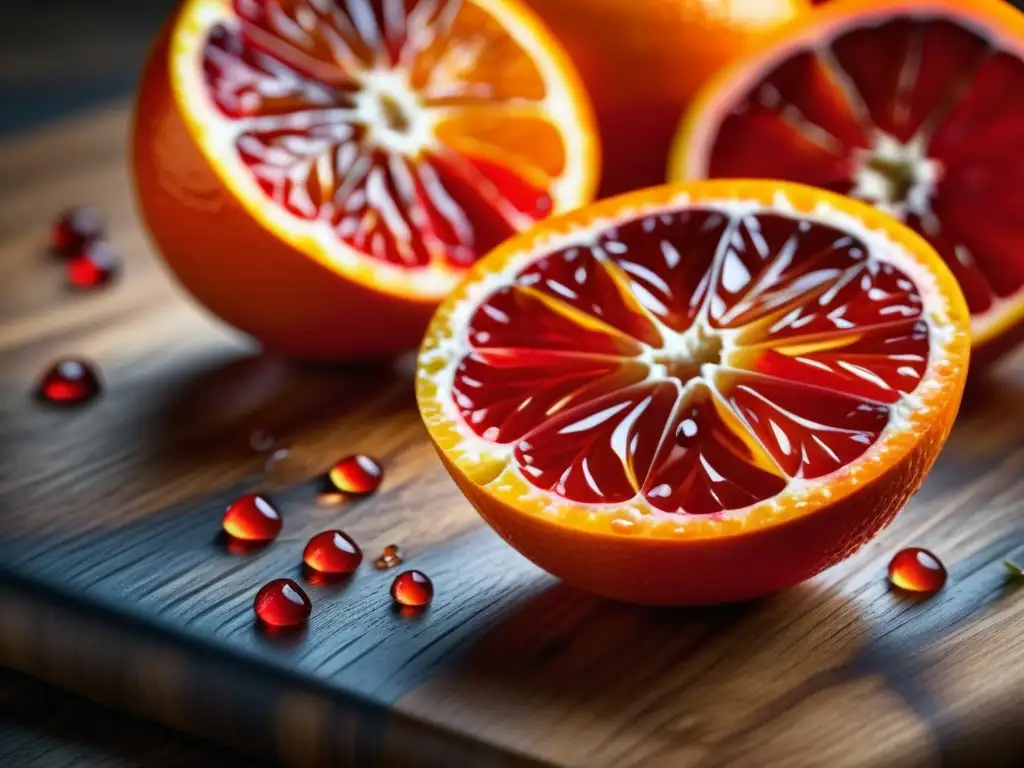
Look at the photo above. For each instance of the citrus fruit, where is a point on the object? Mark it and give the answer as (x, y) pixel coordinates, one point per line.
(319, 173)
(909, 104)
(697, 393)
(643, 60)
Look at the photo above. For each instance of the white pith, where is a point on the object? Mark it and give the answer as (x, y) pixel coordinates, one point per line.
(218, 137)
(870, 185)
(439, 361)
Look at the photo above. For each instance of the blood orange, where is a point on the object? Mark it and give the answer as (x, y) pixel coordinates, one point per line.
(644, 60)
(320, 173)
(697, 393)
(909, 104)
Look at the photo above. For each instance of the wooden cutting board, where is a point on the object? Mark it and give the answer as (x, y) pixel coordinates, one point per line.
(114, 583)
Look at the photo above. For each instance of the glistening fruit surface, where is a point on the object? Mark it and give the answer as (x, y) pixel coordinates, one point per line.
(912, 106)
(680, 366)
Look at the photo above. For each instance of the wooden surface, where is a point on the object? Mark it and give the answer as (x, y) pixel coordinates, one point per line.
(114, 583)
(44, 727)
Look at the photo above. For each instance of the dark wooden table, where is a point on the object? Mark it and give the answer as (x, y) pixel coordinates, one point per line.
(113, 582)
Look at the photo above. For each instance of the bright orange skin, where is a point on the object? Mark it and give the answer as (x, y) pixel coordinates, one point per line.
(642, 61)
(294, 305)
(732, 566)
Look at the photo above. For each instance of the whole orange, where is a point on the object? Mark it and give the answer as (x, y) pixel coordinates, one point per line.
(321, 174)
(643, 60)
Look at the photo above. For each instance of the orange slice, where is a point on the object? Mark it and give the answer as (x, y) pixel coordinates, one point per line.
(697, 393)
(908, 104)
(320, 173)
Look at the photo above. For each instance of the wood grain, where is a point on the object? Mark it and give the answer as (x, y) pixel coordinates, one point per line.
(113, 580)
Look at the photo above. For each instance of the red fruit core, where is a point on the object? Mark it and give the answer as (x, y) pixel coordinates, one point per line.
(372, 118)
(697, 358)
(918, 113)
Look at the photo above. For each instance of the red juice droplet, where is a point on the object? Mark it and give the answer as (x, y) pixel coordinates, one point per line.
(252, 517)
(96, 265)
(412, 589)
(333, 553)
(356, 475)
(74, 228)
(917, 570)
(282, 603)
(70, 381)
(389, 558)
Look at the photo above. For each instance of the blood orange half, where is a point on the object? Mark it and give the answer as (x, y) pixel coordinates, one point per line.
(912, 105)
(320, 173)
(697, 393)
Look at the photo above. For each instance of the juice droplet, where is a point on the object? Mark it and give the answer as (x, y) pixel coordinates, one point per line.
(332, 552)
(95, 265)
(70, 381)
(282, 603)
(412, 589)
(252, 517)
(283, 468)
(74, 228)
(261, 441)
(917, 570)
(389, 558)
(356, 475)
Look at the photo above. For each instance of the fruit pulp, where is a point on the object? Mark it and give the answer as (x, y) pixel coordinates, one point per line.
(70, 381)
(252, 517)
(393, 125)
(332, 552)
(356, 475)
(910, 107)
(698, 359)
(412, 589)
(282, 603)
(917, 570)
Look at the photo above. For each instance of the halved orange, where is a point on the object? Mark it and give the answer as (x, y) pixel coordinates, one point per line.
(913, 105)
(319, 173)
(697, 393)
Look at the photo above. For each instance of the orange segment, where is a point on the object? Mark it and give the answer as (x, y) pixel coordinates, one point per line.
(659, 381)
(908, 105)
(389, 142)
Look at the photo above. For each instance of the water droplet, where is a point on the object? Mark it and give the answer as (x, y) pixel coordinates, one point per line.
(95, 265)
(412, 589)
(74, 228)
(356, 475)
(333, 553)
(70, 381)
(252, 517)
(390, 557)
(917, 570)
(282, 603)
